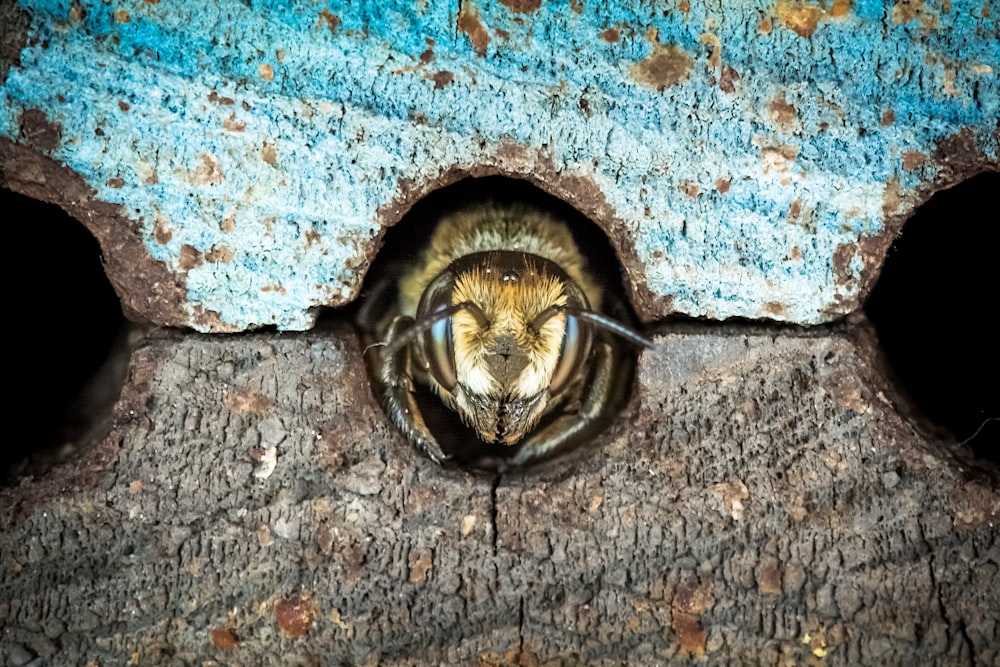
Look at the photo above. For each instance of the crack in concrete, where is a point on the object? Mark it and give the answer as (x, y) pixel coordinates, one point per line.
(493, 512)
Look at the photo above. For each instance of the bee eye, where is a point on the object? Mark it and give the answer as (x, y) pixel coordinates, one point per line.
(573, 353)
(439, 352)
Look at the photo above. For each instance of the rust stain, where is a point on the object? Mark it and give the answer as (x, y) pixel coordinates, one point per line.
(804, 17)
(246, 401)
(162, 229)
(265, 72)
(690, 600)
(312, 237)
(276, 287)
(233, 124)
(332, 20)
(690, 189)
(611, 35)
(295, 615)
(428, 55)
(796, 253)
(775, 307)
(840, 8)
(765, 26)
(798, 16)
(190, 257)
(891, 197)
(220, 254)
(228, 223)
(522, 6)
(714, 49)
(781, 112)
(209, 172)
(442, 79)
(269, 154)
(421, 564)
(778, 157)
(905, 11)
(722, 185)
(668, 65)
(469, 23)
(684, 6)
(117, 183)
(215, 98)
(224, 639)
(794, 210)
(693, 598)
(122, 16)
(769, 581)
(841, 263)
(728, 79)
(888, 117)
(913, 159)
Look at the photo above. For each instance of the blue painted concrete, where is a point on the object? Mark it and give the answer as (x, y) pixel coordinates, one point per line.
(268, 137)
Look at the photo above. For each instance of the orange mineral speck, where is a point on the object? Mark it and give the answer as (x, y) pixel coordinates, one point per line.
(295, 615)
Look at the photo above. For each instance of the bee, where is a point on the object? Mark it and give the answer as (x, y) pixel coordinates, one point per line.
(499, 317)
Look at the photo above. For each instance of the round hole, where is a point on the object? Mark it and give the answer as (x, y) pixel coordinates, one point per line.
(404, 243)
(66, 319)
(935, 308)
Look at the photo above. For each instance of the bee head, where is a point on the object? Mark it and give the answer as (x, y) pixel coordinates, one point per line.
(503, 340)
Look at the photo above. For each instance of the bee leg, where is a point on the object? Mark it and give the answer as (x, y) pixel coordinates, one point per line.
(600, 398)
(397, 395)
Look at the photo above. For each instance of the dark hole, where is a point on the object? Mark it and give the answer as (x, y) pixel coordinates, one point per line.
(65, 319)
(935, 307)
(404, 242)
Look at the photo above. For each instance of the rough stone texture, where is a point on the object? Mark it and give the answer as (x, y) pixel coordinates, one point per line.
(762, 501)
(748, 159)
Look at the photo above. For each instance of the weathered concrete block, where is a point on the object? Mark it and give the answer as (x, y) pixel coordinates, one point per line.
(760, 502)
(240, 162)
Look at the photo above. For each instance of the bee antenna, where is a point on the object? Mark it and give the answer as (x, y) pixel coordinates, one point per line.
(611, 326)
(427, 321)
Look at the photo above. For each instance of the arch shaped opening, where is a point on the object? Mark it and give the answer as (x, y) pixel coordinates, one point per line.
(934, 307)
(64, 379)
(403, 245)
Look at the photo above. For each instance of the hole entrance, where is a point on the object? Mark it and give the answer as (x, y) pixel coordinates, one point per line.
(64, 381)
(935, 305)
(403, 246)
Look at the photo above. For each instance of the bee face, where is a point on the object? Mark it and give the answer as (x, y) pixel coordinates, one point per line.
(511, 349)
(496, 317)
